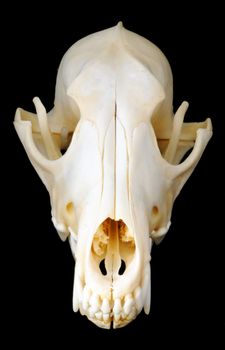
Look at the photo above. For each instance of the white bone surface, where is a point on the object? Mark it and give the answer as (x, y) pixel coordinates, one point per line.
(109, 155)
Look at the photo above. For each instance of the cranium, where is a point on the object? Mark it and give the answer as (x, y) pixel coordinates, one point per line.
(109, 154)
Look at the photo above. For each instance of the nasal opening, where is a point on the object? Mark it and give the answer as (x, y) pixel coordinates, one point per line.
(122, 267)
(102, 267)
(113, 247)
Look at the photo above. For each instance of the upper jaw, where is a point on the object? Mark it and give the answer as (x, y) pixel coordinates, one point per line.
(106, 309)
(112, 297)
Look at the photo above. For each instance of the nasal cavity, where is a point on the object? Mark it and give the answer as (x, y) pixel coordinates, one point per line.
(102, 267)
(122, 267)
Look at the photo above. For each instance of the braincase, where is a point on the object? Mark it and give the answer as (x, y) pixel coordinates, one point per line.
(86, 49)
(83, 60)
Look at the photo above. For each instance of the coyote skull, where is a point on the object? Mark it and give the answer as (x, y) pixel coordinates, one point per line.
(109, 155)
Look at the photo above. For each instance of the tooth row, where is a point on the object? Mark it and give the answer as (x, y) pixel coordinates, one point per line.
(94, 306)
(119, 310)
(125, 308)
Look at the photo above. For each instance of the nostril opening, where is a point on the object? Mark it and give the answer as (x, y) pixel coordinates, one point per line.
(122, 267)
(102, 267)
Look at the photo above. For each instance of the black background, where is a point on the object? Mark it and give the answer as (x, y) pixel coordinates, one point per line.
(188, 266)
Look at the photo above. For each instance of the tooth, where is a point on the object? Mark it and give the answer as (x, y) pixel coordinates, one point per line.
(117, 308)
(73, 246)
(106, 317)
(91, 312)
(98, 315)
(132, 314)
(77, 291)
(145, 278)
(128, 296)
(86, 297)
(95, 302)
(75, 300)
(129, 303)
(105, 306)
(72, 233)
(147, 289)
(82, 311)
(95, 308)
(148, 299)
(123, 315)
(117, 317)
(138, 299)
(78, 286)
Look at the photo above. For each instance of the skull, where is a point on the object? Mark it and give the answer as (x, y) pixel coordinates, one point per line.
(109, 154)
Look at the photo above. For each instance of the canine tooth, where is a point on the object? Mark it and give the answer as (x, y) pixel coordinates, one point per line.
(106, 317)
(145, 278)
(72, 233)
(75, 300)
(73, 246)
(82, 311)
(148, 299)
(129, 303)
(147, 289)
(77, 291)
(86, 297)
(98, 315)
(138, 298)
(105, 306)
(78, 287)
(117, 308)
